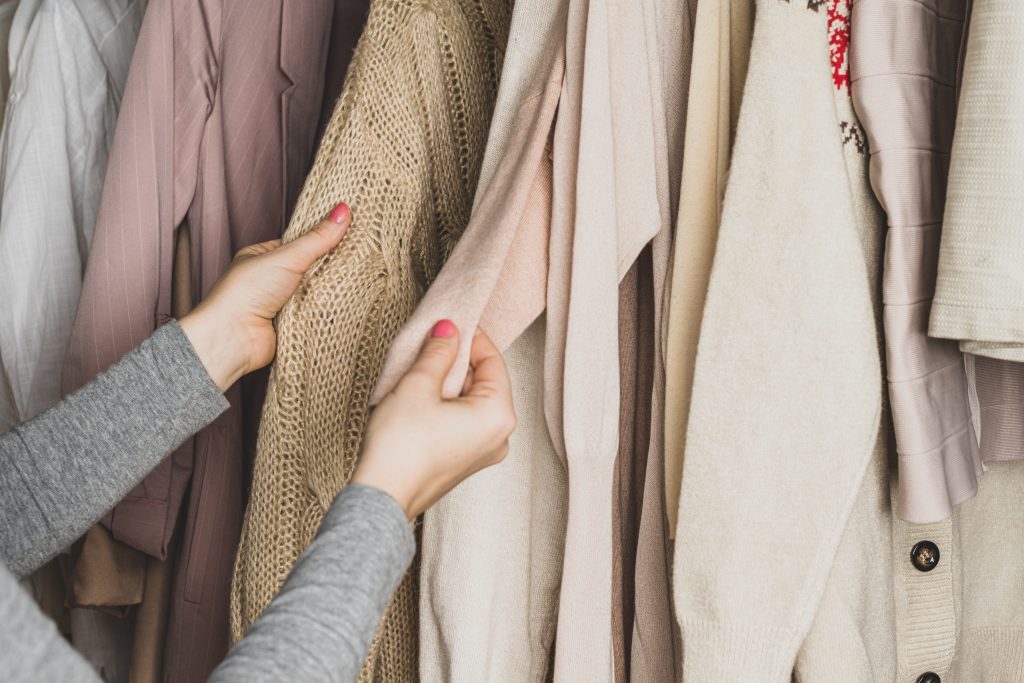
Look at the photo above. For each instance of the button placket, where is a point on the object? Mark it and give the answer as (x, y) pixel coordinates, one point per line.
(926, 620)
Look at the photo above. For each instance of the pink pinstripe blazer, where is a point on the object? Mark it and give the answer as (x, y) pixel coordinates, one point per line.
(217, 130)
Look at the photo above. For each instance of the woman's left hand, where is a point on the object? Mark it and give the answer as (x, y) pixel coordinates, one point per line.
(232, 330)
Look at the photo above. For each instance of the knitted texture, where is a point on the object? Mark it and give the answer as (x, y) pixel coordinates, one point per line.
(403, 149)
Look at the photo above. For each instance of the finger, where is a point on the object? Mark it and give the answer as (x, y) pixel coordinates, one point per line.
(490, 376)
(258, 249)
(467, 383)
(436, 358)
(302, 252)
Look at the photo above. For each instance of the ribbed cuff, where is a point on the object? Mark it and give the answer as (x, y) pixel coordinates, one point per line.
(381, 518)
(723, 653)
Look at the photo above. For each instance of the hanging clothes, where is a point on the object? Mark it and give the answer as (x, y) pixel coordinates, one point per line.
(613, 148)
(69, 62)
(721, 51)
(7, 9)
(220, 112)
(68, 66)
(636, 382)
(403, 149)
(491, 549)
(980, 287)
(787, 408)
(907, 102)
(943, 401)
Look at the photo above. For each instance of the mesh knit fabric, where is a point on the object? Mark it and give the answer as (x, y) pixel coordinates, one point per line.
(403, 149)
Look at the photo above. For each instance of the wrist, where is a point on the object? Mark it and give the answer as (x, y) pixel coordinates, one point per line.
(369, 476)
(220, 349)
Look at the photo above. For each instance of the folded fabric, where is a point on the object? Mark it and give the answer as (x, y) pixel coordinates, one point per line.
(979, 294)
(942, 400)
(496, 277)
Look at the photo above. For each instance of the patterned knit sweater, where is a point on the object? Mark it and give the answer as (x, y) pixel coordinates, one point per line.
(403, 149)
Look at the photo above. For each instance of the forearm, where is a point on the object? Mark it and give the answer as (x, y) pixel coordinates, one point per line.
(61, 471)
(320, 625)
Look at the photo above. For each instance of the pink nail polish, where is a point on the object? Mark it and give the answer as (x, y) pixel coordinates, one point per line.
(340, 213)
(443, 328)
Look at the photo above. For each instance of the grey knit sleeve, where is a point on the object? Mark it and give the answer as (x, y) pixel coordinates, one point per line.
(320, 625)
(61, 471)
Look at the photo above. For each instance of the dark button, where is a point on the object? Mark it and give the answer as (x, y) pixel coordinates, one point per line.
(929, 677)
(924, 557)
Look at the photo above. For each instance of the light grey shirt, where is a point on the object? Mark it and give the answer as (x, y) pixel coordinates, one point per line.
(62, 470)
(68, 62)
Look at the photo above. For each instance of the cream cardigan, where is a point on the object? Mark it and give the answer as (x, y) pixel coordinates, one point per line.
(790, 562)
(787, 396)
(721, 48)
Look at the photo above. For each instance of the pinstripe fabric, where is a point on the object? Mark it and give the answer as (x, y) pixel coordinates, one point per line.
(216, 129)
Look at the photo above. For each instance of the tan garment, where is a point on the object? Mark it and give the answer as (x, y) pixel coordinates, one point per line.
(721, 49)
(979, 296)
(636, 378)
(403, 149)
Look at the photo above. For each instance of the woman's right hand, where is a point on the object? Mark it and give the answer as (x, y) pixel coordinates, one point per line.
(418, 445)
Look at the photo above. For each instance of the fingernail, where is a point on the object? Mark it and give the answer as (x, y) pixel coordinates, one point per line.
(443, 328)
(340, 213)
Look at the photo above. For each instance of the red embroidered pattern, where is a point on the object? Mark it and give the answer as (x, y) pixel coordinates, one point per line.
(838, 42)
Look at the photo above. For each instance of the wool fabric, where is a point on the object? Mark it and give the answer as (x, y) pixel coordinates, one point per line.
(403, 149)
(721, 50)
(787, 397)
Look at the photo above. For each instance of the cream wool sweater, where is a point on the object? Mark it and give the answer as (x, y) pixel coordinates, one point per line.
(787, 398)
(790, 562)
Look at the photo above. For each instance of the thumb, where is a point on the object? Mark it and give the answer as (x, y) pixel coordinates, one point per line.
(436, 358)
(303, 251)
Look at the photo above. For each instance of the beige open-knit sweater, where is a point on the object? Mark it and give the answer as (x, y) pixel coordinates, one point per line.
(403, 149)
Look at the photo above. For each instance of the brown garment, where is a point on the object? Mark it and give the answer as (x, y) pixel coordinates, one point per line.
(152, 616)
(217, 127)
(636, 361)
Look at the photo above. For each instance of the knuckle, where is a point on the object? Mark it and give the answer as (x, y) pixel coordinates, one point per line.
(500, 453)
(416, 380)
(503, 421)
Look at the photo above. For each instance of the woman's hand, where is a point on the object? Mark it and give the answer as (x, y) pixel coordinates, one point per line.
(232, 330)
(418, 446)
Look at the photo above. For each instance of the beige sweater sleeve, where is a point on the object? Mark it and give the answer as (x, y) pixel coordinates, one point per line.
(787, 389)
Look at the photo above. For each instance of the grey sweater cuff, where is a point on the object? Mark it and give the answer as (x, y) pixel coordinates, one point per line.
(61, 471)
(320, 625)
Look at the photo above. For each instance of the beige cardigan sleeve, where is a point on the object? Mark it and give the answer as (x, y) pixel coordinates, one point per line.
(787, 389)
